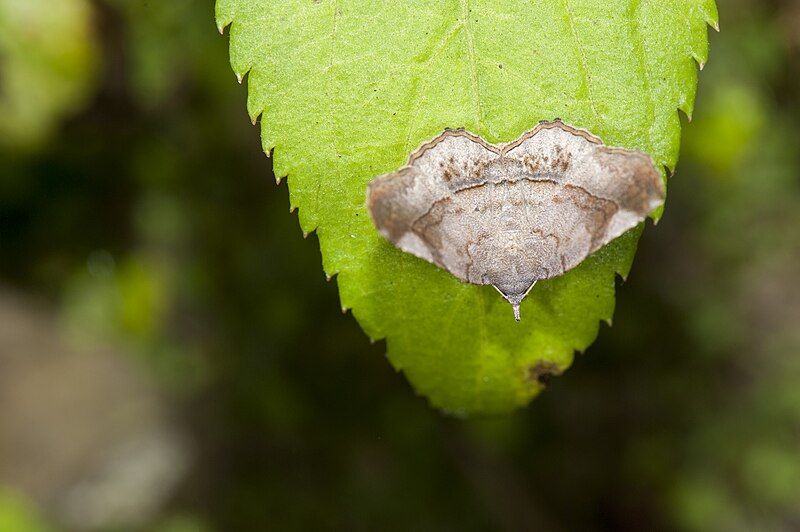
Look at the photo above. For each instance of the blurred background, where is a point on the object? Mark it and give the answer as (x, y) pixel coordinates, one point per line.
(172, 358)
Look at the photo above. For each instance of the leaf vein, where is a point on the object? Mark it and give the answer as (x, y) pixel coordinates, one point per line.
(636, 40)
(473, 66)
(582, 62)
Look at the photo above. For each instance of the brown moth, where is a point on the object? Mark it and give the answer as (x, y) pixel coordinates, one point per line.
(510, 215)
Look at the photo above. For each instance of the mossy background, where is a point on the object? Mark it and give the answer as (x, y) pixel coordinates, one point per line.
(146, 218)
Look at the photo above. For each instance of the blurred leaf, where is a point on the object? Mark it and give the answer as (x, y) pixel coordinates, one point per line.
(183, 523)
(131, 303)
(347, 89)
(47, 55)
(700, 505)
(723, 135)
(773, 476)
(167, 42)
(18, 515)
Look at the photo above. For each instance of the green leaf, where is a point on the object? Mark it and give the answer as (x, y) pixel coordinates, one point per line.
(346, 89)
(47, 55)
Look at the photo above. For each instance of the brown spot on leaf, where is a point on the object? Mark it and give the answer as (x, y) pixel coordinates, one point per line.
(543, 372)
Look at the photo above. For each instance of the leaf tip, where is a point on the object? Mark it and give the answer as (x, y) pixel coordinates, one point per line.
(710, 13)
(687, 109)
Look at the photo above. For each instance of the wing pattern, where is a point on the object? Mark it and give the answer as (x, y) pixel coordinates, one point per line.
(511, 215)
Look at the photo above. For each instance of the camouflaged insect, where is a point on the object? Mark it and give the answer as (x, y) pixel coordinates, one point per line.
(511, 215)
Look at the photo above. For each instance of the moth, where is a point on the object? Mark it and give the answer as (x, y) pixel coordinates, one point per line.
(513, 214)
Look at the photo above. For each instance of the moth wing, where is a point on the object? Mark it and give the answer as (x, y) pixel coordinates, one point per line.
(402, 203)
(574, 158)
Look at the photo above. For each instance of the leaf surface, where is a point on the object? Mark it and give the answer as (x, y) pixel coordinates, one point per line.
(347, 89)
